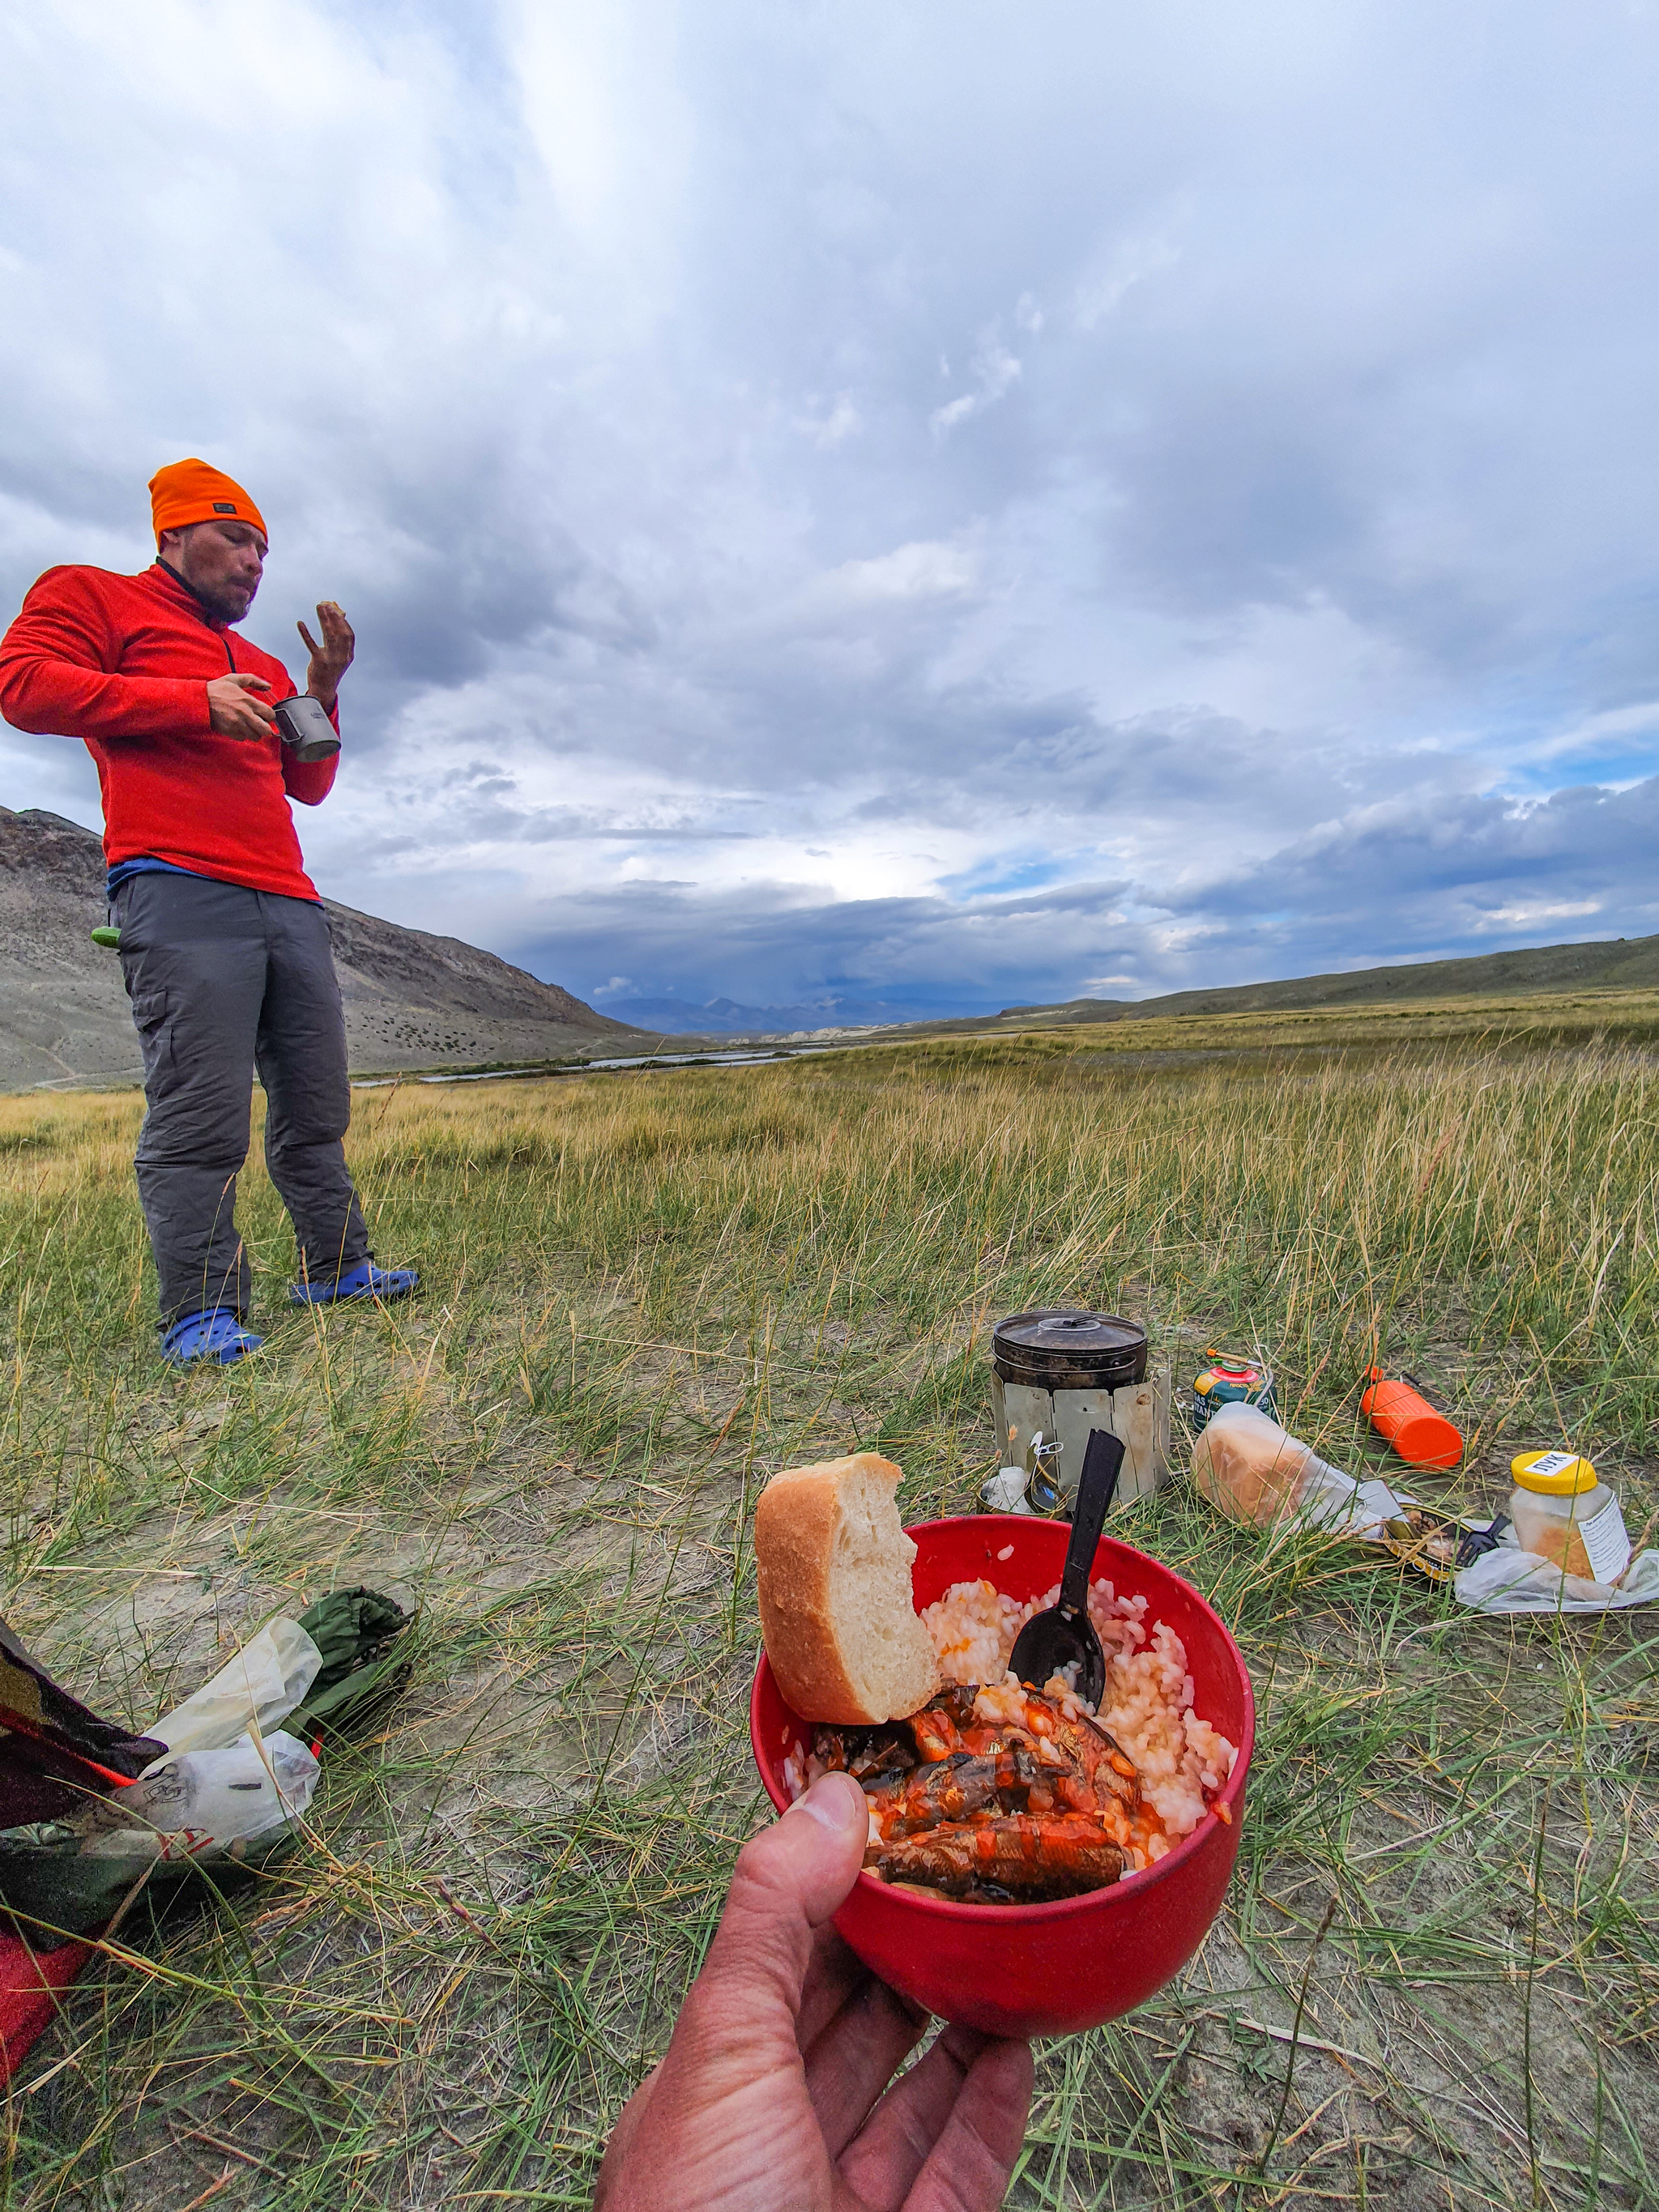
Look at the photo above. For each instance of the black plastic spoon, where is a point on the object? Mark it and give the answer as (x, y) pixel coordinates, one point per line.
(1064, 1636)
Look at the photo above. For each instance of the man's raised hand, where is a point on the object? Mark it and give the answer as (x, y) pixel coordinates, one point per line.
(235, 710)
(331, 659)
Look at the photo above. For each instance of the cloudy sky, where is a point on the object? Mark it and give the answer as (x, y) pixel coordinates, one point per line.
(934, 505)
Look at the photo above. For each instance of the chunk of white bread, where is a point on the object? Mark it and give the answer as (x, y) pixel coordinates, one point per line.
(833, 1567)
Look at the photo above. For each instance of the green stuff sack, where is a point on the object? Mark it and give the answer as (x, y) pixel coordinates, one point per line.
(361, 1634)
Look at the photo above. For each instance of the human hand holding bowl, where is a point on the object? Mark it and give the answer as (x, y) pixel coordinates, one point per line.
(1042, 1964)
(774, 2087)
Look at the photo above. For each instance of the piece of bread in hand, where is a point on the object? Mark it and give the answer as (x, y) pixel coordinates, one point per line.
(833, 1567)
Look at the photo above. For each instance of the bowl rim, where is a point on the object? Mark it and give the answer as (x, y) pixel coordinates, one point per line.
(1130, 1886)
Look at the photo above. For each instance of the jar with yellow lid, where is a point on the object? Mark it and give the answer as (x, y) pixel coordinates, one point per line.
(1563, 1513)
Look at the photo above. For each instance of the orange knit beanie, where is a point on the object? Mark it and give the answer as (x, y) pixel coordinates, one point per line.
(190, 491)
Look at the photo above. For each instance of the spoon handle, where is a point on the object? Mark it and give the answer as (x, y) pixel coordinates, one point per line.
(1097, 1486)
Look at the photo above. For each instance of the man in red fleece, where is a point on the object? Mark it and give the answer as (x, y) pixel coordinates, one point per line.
(224, 942)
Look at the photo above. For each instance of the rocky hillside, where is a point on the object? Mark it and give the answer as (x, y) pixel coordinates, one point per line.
(412, 1000)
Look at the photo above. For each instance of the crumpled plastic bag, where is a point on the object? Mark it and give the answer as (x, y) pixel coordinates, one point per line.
(1254, 1471)
(226, 1795)
(1506, 1579)
(259, 1689)
(1353, 1509)
(203, 1804)
(1005, 1491)
(229, 1789)
(220, 1810)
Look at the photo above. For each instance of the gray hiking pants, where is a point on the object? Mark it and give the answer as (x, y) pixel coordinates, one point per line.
(223, 980)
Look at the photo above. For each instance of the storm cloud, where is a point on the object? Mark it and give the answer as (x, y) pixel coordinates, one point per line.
(846, 504)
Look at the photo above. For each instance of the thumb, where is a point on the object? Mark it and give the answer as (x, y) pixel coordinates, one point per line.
(813, 1854)
(251, 682)
(789, 1881)
(730, 2089)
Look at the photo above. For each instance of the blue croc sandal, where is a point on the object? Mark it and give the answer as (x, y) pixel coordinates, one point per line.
(365, 1280)
(217, 1337)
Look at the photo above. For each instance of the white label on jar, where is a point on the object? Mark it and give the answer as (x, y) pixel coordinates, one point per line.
(1607, 1542)
(1553, 1463)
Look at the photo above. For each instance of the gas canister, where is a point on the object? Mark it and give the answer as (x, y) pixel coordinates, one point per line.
(1232, 1381)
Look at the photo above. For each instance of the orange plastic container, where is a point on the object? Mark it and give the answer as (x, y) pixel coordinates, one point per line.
(1421, 1435)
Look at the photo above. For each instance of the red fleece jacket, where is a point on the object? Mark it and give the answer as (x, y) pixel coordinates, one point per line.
(123, 663)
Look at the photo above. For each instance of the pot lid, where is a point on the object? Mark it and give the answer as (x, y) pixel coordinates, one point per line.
(1069, 1333)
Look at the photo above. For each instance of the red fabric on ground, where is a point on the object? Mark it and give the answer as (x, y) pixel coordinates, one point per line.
(29, 1982)
(123, 663)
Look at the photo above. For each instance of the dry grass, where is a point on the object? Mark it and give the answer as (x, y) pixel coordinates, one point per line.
(643, 1295)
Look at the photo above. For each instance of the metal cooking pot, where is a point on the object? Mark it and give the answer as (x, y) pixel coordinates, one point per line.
(1059, 1371)
(1062, 1348)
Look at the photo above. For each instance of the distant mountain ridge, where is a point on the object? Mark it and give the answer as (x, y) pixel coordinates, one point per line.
(411, 999)
(1605, 963)
(416, 1000)
(725, 1018)
(1619, 964)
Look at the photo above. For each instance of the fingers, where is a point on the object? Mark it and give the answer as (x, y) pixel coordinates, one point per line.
(334, 655)
(945, 2138)
(730, 2090)
(809, 1859)
(880, 2166)
(856, 2056)
(236, 710)
(971, 2164)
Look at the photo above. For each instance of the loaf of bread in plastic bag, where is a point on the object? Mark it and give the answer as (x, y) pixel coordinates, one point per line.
(1247, 1465)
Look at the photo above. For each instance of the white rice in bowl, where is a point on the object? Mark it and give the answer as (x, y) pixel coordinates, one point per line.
(1148, 1701)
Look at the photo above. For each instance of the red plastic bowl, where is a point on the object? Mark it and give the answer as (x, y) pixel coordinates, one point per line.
(1046, 1969)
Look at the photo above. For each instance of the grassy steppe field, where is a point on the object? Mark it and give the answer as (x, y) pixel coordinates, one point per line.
(644, 1295)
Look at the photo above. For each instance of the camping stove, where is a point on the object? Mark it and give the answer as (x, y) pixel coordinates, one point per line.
(1059, 1372)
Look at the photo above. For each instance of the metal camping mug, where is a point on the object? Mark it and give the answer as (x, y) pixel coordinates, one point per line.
(303, 725)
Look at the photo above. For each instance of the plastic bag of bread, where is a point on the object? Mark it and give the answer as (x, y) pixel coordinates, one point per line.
(1244, 1463)
(1253, 1470)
